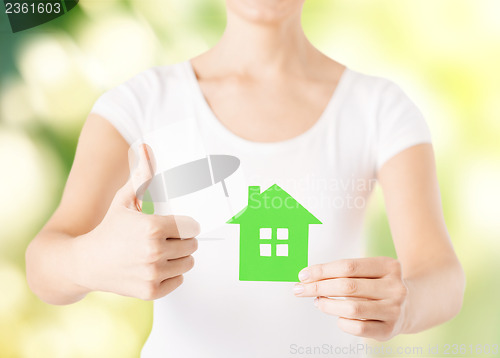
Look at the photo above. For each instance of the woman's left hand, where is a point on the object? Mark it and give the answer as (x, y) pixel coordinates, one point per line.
(375, 294)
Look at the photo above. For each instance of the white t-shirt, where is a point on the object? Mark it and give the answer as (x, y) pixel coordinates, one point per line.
(330, 169)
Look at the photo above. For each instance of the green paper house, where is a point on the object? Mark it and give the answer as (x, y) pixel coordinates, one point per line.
(274, 230)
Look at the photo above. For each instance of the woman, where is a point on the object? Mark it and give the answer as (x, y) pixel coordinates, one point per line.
(292, 116)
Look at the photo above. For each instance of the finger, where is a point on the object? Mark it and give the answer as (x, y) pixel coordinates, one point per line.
(353, 309)
(374, 289)
(141, 174)
(370, 329)
(173, 226)
(177, 267)
(176, 248)
(371, 267)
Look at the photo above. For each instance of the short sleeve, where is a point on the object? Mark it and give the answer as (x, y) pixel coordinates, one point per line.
(123, 106)
(400, 124)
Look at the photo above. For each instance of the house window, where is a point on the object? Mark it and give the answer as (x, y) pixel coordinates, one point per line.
(282, 250)
(265, 249)
(282, 234)
(266, 233)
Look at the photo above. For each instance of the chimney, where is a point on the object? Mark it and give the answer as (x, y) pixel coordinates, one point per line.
(253, 196)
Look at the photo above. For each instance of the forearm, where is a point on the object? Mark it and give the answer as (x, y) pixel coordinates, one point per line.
(51, 268)
(435, 294)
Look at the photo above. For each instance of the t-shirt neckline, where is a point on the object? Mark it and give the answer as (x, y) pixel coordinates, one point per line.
(329, 111)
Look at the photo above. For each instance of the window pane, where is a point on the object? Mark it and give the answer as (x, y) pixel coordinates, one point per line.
(282, 234)
(265, 249)
(266, 233)
(282, 250)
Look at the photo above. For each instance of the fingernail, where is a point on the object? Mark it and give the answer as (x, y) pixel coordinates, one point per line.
(148, 159)
(304, 275)
(146, 152)
(298, 288)
(316, 301)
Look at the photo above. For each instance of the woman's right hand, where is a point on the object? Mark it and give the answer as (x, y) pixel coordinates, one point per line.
(135, 254)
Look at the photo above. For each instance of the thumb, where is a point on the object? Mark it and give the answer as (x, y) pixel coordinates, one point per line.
(142, 169)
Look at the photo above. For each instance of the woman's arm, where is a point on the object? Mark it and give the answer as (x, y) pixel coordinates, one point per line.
(100, 168)
(431, 270)
(97, 239)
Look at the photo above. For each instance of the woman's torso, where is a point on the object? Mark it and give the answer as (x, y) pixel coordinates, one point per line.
(213, 313)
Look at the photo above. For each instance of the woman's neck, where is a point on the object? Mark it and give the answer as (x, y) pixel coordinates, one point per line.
(263, 49)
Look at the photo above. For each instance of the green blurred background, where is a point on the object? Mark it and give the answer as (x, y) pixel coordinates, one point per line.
(444, 53)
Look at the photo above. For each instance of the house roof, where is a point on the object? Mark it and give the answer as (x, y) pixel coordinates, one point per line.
(274, 202)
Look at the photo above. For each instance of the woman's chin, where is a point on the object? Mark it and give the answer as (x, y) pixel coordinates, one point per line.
(265, 11)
